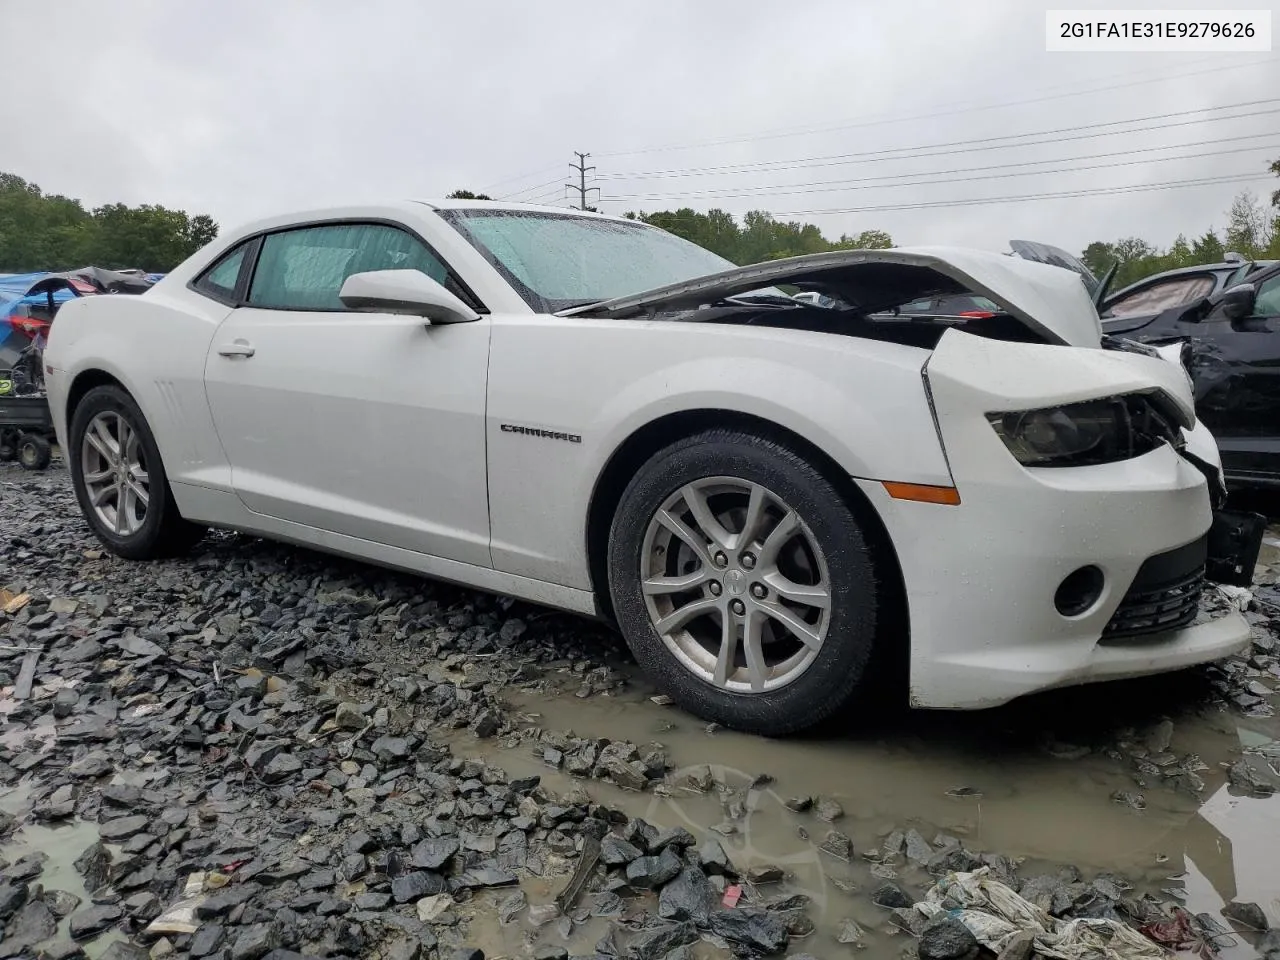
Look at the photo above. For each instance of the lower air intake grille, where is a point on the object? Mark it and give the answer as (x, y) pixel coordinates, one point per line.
(1164, 595)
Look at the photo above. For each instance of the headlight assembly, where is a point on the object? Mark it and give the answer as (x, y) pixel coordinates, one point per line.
(1082, 434)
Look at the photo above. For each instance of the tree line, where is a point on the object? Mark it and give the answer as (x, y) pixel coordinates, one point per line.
(40, 231)
(1251, 230)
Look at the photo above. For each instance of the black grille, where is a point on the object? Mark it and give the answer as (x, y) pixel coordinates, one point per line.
(1164, 595)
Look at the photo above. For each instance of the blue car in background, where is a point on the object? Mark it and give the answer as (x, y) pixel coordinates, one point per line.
(28, 304)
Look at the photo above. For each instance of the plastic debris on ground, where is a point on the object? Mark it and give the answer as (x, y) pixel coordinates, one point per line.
(994, 913)
(1238, 597)
(1179, 934)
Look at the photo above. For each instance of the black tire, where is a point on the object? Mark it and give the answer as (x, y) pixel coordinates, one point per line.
(8, 445)
(164, 533)
(831, 681)
(34, 452)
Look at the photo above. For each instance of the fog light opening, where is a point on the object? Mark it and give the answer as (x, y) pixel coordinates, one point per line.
(1079, 591)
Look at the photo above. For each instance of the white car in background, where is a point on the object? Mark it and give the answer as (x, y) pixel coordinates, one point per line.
(766, 496)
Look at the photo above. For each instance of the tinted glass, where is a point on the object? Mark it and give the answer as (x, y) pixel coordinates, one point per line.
(1268, 303)
(304, 269)
(222, 278)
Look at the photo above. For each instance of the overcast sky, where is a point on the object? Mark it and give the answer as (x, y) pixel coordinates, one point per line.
(240, 108)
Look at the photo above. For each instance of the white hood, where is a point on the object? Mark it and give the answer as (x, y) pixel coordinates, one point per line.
(1050, 300)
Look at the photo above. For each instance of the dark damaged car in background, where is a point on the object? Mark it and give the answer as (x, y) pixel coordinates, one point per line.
(1228, 317)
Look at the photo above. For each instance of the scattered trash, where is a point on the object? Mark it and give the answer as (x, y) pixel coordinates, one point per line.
(732, 895)
(181, 916)
(582, 874)
(995, 914)
(1179, 934)
(661, 700)
(1238, 597)
(12, 603)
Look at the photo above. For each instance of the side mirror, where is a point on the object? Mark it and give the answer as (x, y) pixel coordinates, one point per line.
(1235, 303)
(409, 292)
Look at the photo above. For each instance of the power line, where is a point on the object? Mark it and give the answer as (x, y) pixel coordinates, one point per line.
(802, 131)
(1018, 198)
(1023, 198)
(541, 198)
(523, 176)
(967, 146)
(866, 183)
(952, 109)
(581, 185)
(513, 195)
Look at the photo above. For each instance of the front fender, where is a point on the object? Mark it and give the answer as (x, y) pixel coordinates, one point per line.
(862, 402)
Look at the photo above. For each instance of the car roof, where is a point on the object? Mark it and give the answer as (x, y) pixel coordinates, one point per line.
(450, 203)
(379, 209)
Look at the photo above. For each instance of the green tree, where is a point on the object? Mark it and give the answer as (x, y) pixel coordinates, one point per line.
(467, 195)
(1208, 248)
(1275, 197)
(41, 231)
(1099, 256)
(759, 237)
(866, 240)
(1249, 227)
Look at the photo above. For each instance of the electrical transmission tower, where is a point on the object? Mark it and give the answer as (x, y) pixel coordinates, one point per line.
(581, 185)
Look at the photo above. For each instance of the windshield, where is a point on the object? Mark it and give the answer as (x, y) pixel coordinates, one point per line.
(556, 261)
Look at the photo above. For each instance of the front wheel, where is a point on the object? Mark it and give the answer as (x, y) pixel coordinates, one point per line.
(120, 481)
(742, 582)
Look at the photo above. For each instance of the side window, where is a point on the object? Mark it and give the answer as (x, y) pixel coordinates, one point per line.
(1268, 304)
(1161, 296)
(219, 281)
(304, 269)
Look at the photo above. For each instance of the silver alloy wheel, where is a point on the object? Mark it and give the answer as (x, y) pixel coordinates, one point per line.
(735, 584)
(114, 469)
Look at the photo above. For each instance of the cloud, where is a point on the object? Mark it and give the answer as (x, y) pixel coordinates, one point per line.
(240, 108)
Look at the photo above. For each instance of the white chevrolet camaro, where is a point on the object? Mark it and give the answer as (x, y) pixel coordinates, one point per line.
(769, 497)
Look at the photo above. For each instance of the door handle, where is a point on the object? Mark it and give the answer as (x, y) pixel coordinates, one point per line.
(236, 348)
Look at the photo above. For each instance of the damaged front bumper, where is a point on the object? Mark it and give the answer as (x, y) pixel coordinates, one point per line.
(1044, 577)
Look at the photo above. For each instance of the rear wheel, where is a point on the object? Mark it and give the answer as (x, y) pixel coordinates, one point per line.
(120, 480)
(743, 583)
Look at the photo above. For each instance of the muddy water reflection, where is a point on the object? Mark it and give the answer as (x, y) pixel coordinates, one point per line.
(62, 844)
(1032, 796)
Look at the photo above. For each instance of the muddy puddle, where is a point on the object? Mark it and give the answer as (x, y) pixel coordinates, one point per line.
(62, 844)
(1008, 781)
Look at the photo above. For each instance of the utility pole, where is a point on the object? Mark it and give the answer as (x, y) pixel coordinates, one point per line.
(581, 185)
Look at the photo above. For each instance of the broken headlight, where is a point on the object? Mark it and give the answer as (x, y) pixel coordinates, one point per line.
(1083, 434)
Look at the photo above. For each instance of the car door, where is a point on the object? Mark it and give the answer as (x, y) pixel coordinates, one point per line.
(368, 425)
(1237, 372)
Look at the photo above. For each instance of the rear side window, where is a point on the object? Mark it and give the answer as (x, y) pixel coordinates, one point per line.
(304, 269)
(220, 280)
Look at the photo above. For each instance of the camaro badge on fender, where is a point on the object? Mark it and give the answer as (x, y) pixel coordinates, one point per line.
(536, 432)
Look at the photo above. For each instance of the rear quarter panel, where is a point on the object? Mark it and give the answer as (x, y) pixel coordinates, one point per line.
(154, 344)
(602, 380)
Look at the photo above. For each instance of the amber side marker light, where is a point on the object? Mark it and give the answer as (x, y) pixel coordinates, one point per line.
(923, 492)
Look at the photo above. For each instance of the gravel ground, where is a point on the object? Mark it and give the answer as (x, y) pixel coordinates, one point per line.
(262, 751)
